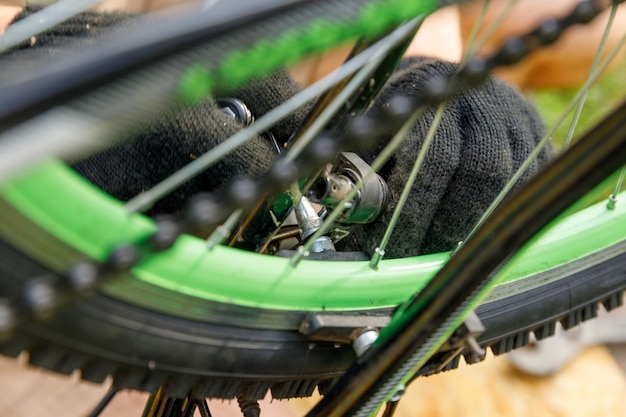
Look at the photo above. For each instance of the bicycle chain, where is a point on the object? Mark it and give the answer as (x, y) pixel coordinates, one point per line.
(206, 212)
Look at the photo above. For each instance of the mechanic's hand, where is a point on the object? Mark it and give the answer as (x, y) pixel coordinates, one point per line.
(484, 136)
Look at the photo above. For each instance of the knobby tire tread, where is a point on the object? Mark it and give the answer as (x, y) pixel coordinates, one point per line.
(142, 349)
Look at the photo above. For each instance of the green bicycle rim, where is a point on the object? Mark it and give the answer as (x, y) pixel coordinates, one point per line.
(94, 223)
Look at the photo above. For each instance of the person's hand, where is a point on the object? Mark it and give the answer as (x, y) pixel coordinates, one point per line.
(168, 142)
(484, 136)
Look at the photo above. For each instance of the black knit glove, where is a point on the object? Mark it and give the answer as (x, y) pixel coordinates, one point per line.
(484, 136)
(169, 142)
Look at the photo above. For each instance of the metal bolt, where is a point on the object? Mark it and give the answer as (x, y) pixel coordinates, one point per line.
(364, 340)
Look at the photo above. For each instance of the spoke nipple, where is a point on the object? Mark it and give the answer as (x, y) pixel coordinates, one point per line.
(612, 203)
(455, 250)
(298, 256)
(83, 276)
(303, 251)
(376, 258)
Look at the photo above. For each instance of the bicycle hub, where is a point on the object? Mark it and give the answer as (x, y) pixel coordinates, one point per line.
(339, 180)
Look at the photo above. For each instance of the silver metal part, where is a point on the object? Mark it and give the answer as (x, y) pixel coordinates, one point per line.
(364, 341)
(236, 109)
(465, 339)
(322, 244)
(376, 258)
(307, 217)
(340, 328)
(309, 222)
(398, 395)
(335, 183)
(334, 188)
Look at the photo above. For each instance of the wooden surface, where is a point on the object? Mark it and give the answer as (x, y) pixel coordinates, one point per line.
(592, 385)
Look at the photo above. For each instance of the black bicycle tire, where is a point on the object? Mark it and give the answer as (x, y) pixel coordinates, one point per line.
(570, 302)
(141, 355)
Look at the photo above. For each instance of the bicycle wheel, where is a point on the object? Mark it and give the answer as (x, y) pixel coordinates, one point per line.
(179, 318)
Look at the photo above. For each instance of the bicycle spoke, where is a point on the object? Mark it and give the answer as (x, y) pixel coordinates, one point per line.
(547, 137)
(222, 232)
(379, 252)
(415, 334)
(147, 199)
(618, 186)
(268, 278)
(482, 39)
(469, 49)
(473, 44)
(594, 65)
(50, 16)
(354, 84)
(172, 79)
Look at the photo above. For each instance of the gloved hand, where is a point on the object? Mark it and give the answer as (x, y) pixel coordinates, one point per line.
(166, 143)
(484, 136)
(170, 142)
